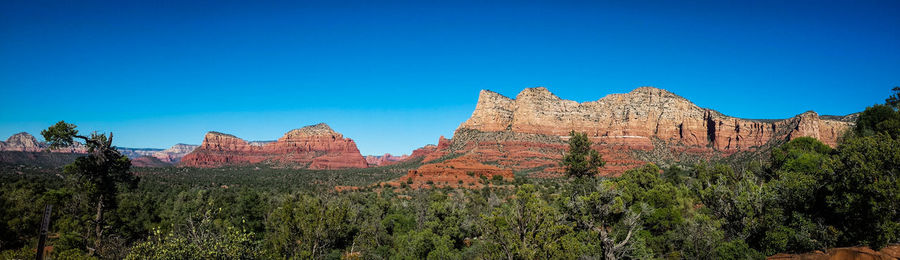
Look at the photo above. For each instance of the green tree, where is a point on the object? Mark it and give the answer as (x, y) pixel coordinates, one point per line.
(581, 160)
(423, 244)
(894, 100)
(792, 220)
(203, 240)
(606, 215)
(309, 227)
(98, 176)
(526, 227)
(878, 119)
(881, 118)
(863, 194)
(803, 154)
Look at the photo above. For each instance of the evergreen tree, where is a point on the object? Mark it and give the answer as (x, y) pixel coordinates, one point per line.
(97, 175)
(581, 160)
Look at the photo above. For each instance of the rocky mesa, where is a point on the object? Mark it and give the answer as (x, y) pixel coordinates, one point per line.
(25, 142)
(646, 124)
(313, 147)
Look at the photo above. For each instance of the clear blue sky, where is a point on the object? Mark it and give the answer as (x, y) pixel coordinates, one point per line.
(396, 75)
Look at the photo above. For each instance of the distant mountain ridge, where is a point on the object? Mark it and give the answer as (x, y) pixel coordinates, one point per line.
(384, 160)
(170, 155)
(25, 142)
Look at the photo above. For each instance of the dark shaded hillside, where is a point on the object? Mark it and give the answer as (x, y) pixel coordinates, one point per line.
(42, 159)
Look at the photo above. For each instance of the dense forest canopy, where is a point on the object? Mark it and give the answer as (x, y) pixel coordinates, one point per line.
(807, 196)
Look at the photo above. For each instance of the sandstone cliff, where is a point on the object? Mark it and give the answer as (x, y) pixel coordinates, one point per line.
(314, 147)
(530, 131)
(641, 114)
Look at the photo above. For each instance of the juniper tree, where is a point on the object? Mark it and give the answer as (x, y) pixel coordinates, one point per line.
(98, 175)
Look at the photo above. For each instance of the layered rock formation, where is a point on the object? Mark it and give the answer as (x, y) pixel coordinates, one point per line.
(530, 131)
(134, 153)
(169, 156)
(314, 147)
(174, 153)
(384, 160)
(642, 114)
(25, 142)
(22, 142)
(423, 151)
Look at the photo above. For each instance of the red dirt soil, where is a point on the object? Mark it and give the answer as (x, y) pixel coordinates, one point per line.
(855, 253)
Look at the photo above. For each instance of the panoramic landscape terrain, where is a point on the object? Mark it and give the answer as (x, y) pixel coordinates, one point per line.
(359, 130)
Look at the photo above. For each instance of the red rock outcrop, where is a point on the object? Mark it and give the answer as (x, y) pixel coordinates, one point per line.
(842, 253)
(530, 131)
(464, 171)
(384, 160)
(313, 147)
(423, 151)
(440, 151)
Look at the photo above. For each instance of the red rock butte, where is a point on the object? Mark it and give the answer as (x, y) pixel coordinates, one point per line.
(530, 131)
(312, 147)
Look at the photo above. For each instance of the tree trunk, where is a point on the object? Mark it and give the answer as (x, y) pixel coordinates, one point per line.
(98, 224)
(608, 247)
